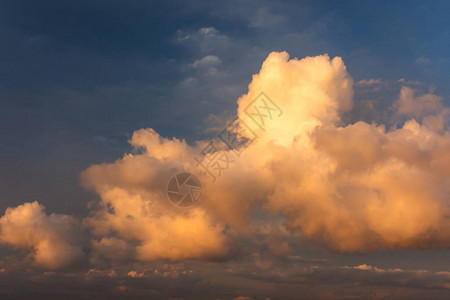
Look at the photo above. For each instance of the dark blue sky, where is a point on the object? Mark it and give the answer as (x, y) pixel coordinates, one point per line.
(77, 77)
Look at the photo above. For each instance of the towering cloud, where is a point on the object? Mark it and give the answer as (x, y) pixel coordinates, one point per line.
(347, 187)
(351, 188)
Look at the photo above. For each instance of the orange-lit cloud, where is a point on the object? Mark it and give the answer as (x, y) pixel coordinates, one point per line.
(134, 206)
(352, 188)
(53, 240)
(347, 187)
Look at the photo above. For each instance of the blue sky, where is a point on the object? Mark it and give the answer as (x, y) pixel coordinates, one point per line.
(78, 77)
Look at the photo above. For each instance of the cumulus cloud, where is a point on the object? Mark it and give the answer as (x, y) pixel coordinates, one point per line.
(348, 187)
(53, 240)
(134, 205)
(351, 188)
(412, 106)
(427, 108)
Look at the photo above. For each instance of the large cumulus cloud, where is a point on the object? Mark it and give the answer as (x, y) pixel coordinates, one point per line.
(358, 187)
(347, 187)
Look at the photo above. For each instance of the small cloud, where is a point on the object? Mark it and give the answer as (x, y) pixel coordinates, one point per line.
(209, 60)
(369, 82)
(417, 106)
(368, 268)
(53, 240)
(134, 274)
(94, 273)
(409, 82)
(205, 32)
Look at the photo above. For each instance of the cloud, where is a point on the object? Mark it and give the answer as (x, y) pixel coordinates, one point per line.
(427, 108)
(53, 240)
(208, 31)
(276, 246)
(207, 63)
(358, 187)
(412, 106)
(134, 205)
(114, 248)
(209, 60)
(353, 188)
(205, 40)
(368, 82)
(135, 274)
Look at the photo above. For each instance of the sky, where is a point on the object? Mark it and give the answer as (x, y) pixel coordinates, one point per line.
(339, 188)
